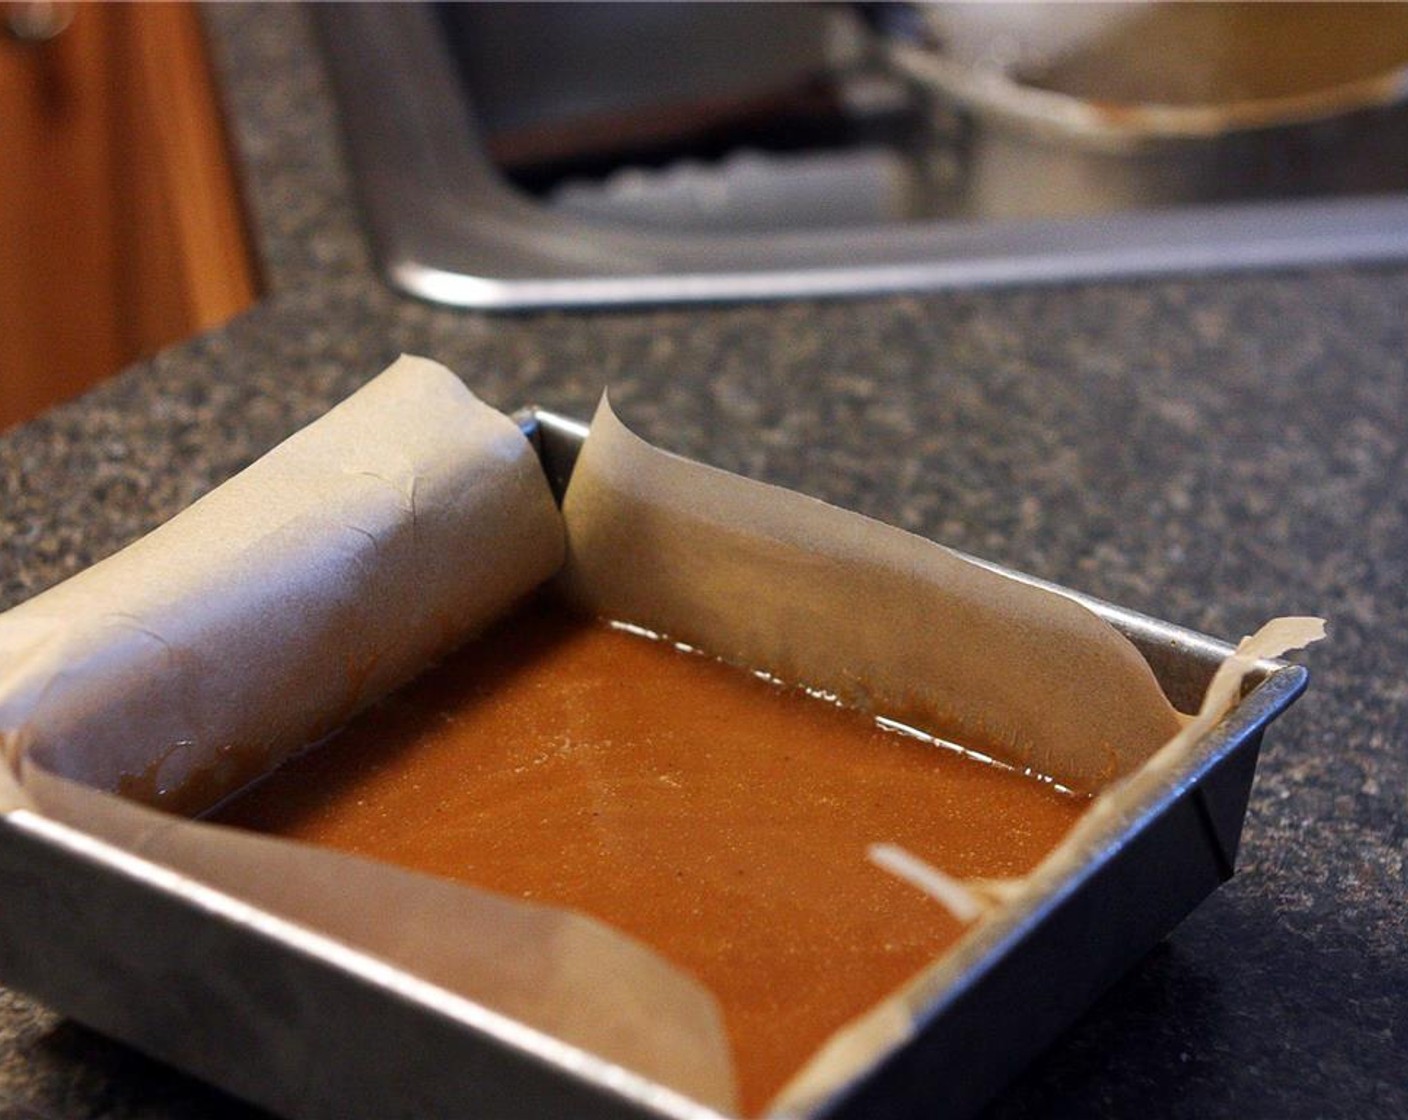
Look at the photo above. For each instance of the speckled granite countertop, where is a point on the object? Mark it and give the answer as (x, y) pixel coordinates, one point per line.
(1208, 451)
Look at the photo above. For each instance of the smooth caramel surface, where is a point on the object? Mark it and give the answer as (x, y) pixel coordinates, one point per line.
(721, 818)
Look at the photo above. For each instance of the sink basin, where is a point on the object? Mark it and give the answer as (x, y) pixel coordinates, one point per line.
(450, 224)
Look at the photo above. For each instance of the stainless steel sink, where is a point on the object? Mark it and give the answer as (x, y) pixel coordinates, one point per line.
(451, 226)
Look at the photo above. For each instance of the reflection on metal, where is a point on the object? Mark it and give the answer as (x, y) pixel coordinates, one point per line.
(448, 227)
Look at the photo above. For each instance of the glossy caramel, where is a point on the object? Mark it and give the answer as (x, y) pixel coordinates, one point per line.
(721, 818)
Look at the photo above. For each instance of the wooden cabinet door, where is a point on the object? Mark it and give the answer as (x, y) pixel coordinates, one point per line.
(120, 226)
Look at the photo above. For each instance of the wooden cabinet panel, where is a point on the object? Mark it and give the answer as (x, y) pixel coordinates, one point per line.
(120, 226)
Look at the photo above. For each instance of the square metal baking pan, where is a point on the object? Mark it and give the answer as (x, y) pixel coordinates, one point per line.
(308, 1027)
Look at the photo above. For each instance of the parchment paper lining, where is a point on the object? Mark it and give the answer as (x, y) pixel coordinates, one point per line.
(411, 516)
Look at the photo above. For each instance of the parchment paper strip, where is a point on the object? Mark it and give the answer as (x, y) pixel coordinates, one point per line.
(263, 616)
(563, 974)
(887, 621)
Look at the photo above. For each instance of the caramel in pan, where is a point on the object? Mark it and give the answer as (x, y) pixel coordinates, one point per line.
(719, 817)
